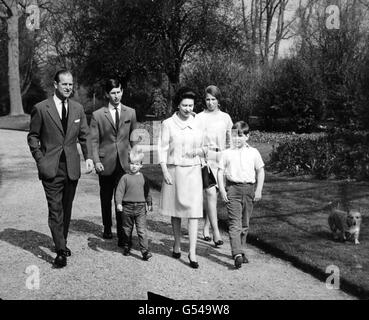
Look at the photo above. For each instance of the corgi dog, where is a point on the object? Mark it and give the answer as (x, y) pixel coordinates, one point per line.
(345, 225)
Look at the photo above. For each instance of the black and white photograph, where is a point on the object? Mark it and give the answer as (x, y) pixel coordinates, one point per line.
(186, 157)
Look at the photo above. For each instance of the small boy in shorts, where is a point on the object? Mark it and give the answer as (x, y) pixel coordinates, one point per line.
(132, 196)
(241, 167)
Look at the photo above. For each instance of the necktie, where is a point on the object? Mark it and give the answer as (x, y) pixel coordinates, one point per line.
(64, 116)
(116, 118)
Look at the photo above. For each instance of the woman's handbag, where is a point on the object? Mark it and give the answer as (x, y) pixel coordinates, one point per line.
(208, 179)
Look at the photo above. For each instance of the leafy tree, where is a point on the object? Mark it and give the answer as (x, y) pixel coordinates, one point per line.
(139, 41)
(336, 56)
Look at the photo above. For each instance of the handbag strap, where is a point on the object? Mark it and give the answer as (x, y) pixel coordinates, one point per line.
(204, 160)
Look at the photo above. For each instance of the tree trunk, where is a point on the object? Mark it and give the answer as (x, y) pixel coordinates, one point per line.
(16, 106)
(173, 85)
(280, 30)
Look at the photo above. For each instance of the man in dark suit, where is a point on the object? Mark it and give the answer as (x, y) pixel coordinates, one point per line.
(111, 128)
(56, 124)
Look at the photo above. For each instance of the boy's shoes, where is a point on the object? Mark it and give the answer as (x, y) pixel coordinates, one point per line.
(238, 260)
(126, 251)
(146, 255)
(60, 260)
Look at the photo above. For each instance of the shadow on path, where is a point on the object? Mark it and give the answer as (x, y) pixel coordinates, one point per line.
(161, 246)
(29, 240)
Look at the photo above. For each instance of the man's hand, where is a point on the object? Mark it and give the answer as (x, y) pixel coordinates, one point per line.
(149, 208)
(99, 167)
(119, 207)
(89, 165)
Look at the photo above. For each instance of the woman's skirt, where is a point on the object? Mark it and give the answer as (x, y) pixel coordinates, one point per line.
(182, 199)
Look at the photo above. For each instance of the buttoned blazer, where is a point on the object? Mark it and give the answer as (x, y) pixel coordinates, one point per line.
(108, 143)
(47, 140)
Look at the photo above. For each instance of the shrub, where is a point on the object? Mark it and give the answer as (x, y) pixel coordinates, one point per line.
(341, 154)
(237, 82)
(287, 97)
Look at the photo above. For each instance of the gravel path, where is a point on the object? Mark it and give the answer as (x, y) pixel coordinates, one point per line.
(98, 270)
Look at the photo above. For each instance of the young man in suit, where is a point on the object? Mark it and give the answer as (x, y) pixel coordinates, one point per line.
(56, 124)
(111, 128)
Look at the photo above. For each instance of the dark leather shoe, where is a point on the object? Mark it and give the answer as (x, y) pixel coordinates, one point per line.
(126, 251)
(60, 260)
(67, 252)
(176, 255)
(244, 259)
(107, 234)
(146, 255)
(207, 239)
(218, 243)
(238, 259)
(193, 264)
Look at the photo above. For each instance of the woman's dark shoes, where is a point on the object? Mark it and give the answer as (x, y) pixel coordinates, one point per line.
(60, 260)
(193, 264)
(207, 238)
(176, 255)
(218, 243)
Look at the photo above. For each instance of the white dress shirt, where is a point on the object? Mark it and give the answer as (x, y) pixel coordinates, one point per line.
(112, 111)
(58, 104)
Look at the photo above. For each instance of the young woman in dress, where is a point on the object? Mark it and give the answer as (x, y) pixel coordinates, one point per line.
(217, 127)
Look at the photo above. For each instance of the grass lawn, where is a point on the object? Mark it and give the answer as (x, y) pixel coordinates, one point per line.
(291, 222)
(15, 122)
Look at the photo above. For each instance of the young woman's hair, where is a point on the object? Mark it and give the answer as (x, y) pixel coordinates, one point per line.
(214, 91)
(240, 128)
(111, 84)
(183, 93)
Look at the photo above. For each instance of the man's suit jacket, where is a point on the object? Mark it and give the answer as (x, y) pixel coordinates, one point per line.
(107, 142)
(46, 138)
